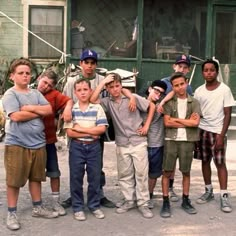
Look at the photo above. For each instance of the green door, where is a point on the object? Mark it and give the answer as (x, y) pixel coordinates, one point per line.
(224, 42)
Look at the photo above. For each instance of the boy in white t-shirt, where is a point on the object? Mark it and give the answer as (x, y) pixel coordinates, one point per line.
(216, 102)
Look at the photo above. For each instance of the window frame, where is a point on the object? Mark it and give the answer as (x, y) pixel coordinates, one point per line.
(42, 3)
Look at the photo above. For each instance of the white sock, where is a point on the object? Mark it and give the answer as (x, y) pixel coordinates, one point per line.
(209, 187)
(223, 191)
(56, 196)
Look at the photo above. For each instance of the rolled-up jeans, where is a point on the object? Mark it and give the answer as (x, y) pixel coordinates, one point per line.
(85, 157)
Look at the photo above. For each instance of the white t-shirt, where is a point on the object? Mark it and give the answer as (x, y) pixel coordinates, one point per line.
(182, 109)
(212, 106)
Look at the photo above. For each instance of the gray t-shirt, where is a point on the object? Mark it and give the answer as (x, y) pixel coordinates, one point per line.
(156, 132)
(126, 123)
(28, 134)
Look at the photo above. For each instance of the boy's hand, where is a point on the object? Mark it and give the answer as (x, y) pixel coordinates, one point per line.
(142, 131)
(194, 116)
(108, 79)
(132, 104)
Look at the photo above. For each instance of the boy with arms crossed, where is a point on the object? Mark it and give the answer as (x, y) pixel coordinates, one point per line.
(25, 153)
(181, 119)
(88, 123)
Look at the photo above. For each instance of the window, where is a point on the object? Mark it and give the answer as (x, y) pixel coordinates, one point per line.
(47, 23)
(108, 27)
(174, 27)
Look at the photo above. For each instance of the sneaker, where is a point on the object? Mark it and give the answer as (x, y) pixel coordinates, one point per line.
(107, 203)
(41, 211)
(165, 210)
(150, 204)
(225, 205)
(120, 203)
(67, 203)
(173, 195)
(187, 206)
(80, 216)
(59, 209)
(12, 221)
(125, 207)
(98, 214)
(146, 212)
(206, 197)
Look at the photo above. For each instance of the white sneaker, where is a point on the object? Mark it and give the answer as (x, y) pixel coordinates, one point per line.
(41, 211)
(150, 204)
(59, 209)
(146, 212)
(80, 216)
(98, 214)
(12, 221)
(125, 207)
(225, 205)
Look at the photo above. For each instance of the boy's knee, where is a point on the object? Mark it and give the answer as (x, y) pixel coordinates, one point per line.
(167, 174)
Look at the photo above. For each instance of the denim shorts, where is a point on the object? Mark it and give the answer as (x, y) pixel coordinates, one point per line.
(52, 168)
(155, 158)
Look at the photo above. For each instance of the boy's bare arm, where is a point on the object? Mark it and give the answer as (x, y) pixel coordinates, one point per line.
(74, 134)
(67, 114)
(41, 110)
(19, 116)
(132, 100)
(144, 130)
(95, 95)
(165, 99)
(97, 130)
(193, 121)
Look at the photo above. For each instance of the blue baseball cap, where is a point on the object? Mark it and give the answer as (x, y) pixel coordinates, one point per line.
(89, 54)
(183, 59)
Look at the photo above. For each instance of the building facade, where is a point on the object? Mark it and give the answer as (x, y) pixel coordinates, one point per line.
(145, 35)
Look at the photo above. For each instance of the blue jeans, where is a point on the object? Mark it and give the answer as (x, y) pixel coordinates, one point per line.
(52, 168)
(85, 157)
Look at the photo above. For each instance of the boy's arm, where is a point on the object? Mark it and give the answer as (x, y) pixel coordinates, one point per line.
(132, 100)
(67, 113)
(97, 130)
(74, 134)
(193, 121)
(41, 110)
(220, 137)
(144, 130)
(19, 116)
(164, 100)
(95, 95)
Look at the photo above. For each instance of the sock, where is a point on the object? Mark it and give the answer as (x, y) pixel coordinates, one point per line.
(151, 195)
(223, 192)
(209, 187)
(12, 209)
(171, 183)
(56, 196)
(185, 196)
(36, 204)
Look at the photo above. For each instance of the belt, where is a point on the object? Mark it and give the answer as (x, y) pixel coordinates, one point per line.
(85, 142)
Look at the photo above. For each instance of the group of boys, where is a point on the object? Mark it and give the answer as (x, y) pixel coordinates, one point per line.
(148, 142)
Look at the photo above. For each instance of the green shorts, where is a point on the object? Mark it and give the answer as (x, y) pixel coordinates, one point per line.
(178, 149)
(24, 164)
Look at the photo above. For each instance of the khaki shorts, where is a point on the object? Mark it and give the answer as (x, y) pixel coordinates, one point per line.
(178, 149)
(24, 164)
